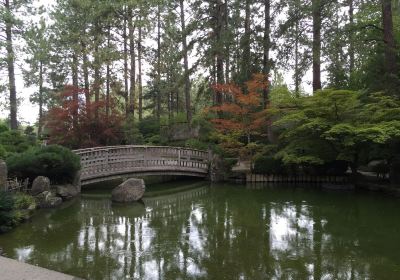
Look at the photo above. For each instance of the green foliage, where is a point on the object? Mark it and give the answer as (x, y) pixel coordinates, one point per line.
(335, 125)
(16, 142)
(6, 201)
(3, 127)
(24, 201)
(196, 144)
(149, 127)
(132, 134)
(268, 165)
(13, 209)
(3, 152)
(57, 163)
(154, 140)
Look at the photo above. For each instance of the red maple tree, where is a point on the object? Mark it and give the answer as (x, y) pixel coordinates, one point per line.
(241, 115)
(76, 123)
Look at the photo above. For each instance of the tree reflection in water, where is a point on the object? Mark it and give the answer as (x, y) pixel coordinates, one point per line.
(218, 232)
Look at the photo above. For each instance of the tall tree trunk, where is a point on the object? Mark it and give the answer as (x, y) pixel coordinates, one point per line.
(316, 50)
(108, 76)
(227, 43)
(132, 95)
(388, 37)
(266, 47)
(86, 76)
(126, 83)
(219, 67)
(186, 66)
(246, 44)
(140, 72)
(351, 43)
(220, 59)
(75, 83)
(40, 124)
(10, 68)
(97, 82)
(297, 79)
(158, 99)
(97, 70)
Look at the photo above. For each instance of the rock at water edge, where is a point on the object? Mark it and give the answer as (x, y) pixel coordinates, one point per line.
(129, 191)
(47, 199)
(66, 192)
(39, 185)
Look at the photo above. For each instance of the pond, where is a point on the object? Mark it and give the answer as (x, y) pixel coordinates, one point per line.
(193, 230)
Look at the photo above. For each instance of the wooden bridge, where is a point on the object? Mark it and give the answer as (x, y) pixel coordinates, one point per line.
(107, 163)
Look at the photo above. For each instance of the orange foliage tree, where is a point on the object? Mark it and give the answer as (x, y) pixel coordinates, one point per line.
(74, 124)
(240, 116)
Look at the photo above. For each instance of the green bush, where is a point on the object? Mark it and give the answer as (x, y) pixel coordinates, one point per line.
(3, 127)
(3, 152)
(6, 202)
(333, 168)
(196, 144)
(16, 142)
(268, 165)
(13, 209)
(7, 215)
(23, 201)
(132, 135)
(149, 127)
(154, 140)
(57, 163)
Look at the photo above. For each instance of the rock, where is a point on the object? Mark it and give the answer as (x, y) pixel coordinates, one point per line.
(3, 175)
(219, 170)
(47, 199)
(66, 192)
(77, 181)
(40, 185)
(129, 191)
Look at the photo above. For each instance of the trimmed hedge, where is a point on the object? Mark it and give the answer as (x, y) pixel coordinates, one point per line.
(57, 163)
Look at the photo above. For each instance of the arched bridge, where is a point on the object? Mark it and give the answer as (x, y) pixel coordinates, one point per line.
(107, 163)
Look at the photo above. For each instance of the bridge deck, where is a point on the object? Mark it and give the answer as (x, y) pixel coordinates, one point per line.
(105, 163)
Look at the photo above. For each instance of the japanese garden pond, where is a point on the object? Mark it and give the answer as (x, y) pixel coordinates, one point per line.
(194, 230)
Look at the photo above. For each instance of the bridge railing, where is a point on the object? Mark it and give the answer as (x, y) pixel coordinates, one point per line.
(104, 161)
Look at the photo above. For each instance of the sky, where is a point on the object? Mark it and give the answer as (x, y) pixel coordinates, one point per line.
(27, 112)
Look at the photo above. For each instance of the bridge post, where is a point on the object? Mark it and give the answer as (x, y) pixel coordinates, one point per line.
(107, 162)
(179, 156)
(145, 156)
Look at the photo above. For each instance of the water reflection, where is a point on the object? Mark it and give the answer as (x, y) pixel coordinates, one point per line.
(222, 232)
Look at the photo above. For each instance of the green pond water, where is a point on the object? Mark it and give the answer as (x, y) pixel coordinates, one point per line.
(187, 230)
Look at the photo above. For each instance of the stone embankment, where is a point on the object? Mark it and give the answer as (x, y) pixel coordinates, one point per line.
(14, 270)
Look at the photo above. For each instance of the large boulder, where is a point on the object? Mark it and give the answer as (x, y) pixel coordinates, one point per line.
(77, 181)
(47, 199)
(40, 185)
(66, 192)
(3, 175)
(129, 191)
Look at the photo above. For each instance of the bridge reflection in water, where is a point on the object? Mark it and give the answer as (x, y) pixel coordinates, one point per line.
(222, 232)
(108, 163)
